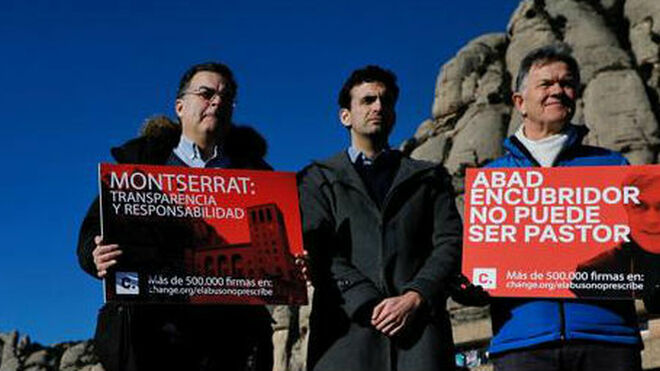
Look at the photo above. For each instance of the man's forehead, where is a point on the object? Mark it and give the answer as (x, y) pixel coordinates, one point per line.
(545, 67)
(207, 77)
(372, 87)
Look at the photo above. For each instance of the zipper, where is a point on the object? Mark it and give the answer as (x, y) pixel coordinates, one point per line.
(561, 154)
(521, 147)
(562, 321)
(566, 149)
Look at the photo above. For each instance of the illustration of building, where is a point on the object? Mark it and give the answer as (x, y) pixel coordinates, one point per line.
(265, 256)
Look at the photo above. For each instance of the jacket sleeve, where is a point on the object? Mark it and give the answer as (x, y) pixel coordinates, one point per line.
(444, 261)
(651, 293)
(329, 261)
(652, 299)
(91, 227)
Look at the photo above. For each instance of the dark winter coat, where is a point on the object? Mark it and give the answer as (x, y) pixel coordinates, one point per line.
(523, 323)
(361, 254)
(125, 338)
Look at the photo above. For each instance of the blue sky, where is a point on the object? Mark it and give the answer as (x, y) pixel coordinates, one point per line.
(79, 78)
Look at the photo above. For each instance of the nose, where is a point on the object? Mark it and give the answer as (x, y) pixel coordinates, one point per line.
(215, 99)
(556, 89)
(377, 104)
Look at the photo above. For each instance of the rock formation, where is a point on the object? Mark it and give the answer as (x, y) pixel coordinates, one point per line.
(21, 354)
(617, 46)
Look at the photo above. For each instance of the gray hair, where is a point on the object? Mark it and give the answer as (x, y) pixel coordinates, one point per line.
(543, 55)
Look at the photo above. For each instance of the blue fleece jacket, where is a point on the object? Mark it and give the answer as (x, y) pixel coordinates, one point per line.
(522, 323)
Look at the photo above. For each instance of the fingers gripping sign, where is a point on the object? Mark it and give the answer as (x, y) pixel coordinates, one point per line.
(105, 256)
(302, 262)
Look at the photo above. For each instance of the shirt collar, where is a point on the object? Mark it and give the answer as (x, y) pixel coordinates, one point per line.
(355, 154)
(563, 134)
(189, 152)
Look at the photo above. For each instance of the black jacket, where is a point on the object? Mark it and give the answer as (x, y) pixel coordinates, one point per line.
(362, 253)
(125, 335)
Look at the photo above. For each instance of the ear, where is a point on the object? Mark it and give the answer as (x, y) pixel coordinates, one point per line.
(345, 117)
(178, 107)
(518, 102)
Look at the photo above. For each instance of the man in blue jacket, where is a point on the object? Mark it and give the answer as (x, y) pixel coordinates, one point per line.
(532, 334)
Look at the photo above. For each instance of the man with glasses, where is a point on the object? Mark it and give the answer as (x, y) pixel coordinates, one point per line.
(179, 337)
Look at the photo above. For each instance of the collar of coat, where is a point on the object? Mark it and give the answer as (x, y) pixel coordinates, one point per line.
(575, 135)
(243, 145)
(344, 172)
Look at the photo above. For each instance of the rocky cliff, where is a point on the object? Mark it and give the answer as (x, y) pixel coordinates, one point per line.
(20, 353)
(616, 43)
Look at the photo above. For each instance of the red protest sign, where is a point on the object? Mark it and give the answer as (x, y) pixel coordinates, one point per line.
(588, 232)
(202, 235)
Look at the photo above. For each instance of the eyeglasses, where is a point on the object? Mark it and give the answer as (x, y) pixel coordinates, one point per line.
(208, 93)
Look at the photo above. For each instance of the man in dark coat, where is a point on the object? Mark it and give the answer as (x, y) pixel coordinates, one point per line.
(384, 236)
(179, 337)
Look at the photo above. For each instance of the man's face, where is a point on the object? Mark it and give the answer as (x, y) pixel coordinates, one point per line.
(371, 114)
(548, 97)
(202, 115)
(644, 219)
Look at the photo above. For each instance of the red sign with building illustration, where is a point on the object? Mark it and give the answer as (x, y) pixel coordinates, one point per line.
(569, 232)
(202, 235)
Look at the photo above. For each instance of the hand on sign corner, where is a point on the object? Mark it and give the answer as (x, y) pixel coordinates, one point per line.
(105, 256)
(302, 262)
(393, 314)
(466, 293)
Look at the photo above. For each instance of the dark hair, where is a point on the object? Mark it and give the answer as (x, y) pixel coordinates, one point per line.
(369, 73)
(546, 54)
(219, 68)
